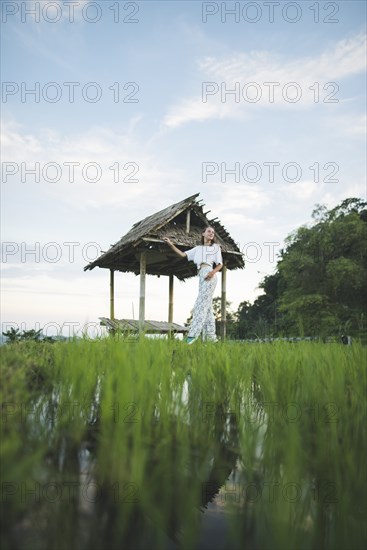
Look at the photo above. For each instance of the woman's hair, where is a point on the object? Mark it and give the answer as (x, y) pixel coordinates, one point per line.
(202, 238)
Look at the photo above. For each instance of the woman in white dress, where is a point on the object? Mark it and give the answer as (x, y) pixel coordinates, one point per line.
(205, 256)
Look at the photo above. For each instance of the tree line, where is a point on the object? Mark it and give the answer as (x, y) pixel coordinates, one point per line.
(319, 287)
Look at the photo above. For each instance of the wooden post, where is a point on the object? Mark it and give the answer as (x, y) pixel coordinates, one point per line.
(170, 303)
(188, 215)
(112, 294)
(143, 270)
(223, 323)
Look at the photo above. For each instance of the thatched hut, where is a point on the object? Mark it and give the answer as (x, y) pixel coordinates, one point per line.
(142, 251)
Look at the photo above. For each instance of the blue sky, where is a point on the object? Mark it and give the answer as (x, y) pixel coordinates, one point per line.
(164, 61)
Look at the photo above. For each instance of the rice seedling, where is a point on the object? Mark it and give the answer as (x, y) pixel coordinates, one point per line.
(114, 443)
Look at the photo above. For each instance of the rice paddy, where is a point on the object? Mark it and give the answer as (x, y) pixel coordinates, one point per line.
(114, 444)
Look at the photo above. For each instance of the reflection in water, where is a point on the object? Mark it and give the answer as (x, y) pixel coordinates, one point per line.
(96, 515)
(205, 459)
(208, 468)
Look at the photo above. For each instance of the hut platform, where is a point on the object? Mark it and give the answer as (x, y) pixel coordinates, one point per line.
(149, 327)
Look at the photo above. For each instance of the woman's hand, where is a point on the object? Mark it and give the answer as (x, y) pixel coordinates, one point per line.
(167, 240)
(210, 275)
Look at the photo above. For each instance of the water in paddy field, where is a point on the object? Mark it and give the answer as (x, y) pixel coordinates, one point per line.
(90, 512)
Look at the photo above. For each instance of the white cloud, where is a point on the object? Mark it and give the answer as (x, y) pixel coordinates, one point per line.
(345, 58)
(118, 155)
(248, 199)
(196, 110)
(302, 190)
(353, 125)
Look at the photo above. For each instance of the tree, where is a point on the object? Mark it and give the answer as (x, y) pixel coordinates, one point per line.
(324, 269)
(262, 318)
(31, 335)
(13, 335)
(320, 283)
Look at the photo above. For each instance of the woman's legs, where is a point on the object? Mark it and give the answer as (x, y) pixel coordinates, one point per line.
(202, 316)
(209, 326)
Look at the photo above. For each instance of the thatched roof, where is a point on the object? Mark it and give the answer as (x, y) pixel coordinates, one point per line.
(161, 260)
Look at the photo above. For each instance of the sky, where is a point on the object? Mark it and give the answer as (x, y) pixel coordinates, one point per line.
(112, 111)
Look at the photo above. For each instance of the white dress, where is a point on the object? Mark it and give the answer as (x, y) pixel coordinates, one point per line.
(203, 320)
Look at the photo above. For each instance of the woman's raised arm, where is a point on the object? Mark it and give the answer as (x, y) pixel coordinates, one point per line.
(174, 248)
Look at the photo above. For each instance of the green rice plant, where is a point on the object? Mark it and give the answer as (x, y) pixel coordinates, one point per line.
(115, 443)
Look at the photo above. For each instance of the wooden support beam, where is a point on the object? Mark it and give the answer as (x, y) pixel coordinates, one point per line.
(143, 271)
(223, 323)
(188, 216)
(153, 240)
(234, 252)
(112, 294)
(170, 302)
(170, 299)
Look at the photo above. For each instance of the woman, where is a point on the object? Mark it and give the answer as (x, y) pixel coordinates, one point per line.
(205, 255)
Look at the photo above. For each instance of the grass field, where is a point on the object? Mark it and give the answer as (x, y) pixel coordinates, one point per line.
(113, 444)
